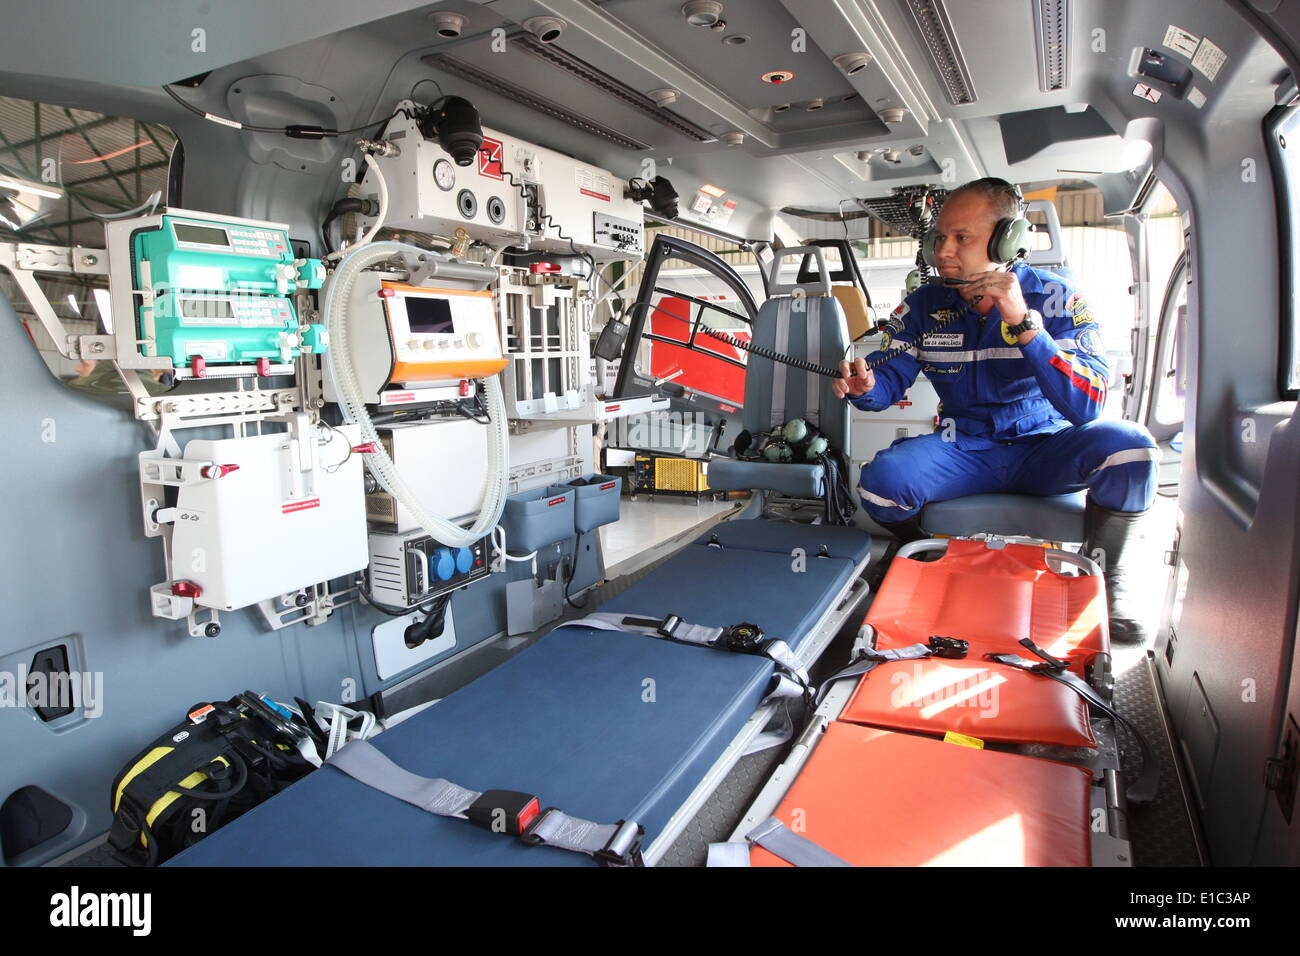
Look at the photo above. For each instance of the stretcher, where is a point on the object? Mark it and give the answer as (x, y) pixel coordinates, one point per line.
(878, 798)
(994, 594)
(969, 738)
(606, 725)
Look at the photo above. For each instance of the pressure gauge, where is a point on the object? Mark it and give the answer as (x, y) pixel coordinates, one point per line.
(444, 174)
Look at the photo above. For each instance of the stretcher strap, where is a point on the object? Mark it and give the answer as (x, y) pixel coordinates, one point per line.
(775, 837)
(613, 843)
(1143, 789)
(794, 682)
(868, 659)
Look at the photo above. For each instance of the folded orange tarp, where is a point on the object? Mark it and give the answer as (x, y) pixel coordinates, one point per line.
(974, 697)
(992, 598)
(877, 798)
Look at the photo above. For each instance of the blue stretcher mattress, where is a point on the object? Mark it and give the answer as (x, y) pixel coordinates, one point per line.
(782, 537)
(567, 719)
(721, 587)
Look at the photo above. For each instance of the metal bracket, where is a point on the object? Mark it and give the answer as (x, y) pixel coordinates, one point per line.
(310, 606)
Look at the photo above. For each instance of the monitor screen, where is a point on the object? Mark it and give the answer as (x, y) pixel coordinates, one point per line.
(425, 314)
(209, 235)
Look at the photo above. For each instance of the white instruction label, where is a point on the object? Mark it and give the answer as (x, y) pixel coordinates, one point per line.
(210, 351)
(593, 184)
(1209, 59)
(1196, 97)
(1180, 41)
(1147, 93)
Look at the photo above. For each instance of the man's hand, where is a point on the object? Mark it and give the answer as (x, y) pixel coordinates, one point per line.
(1003, 289)
(854, 381)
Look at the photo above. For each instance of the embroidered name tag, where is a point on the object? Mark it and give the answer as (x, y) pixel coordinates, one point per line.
(943, 340)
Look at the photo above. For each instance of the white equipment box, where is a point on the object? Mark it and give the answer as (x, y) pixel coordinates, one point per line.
(445, 464)
(872, 432)
(288, 517)
(429, 193)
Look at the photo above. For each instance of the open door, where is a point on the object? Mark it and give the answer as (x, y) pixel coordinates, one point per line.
(686, 292)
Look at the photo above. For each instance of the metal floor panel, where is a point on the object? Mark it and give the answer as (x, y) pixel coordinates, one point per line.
(1161, 833)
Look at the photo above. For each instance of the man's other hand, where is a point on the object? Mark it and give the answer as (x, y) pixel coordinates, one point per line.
(854, 381)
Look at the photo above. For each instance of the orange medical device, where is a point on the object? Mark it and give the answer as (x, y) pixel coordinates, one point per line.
(440, 335)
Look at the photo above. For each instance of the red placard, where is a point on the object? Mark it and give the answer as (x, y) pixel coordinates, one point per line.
(489, 158)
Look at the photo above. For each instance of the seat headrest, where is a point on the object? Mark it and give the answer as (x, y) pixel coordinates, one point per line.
(857, 313)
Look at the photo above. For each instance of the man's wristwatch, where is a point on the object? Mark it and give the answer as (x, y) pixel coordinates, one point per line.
(1031, 322)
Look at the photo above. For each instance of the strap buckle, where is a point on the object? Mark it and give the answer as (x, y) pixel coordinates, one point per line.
(624, 846)
(511, 812)
(744, 638)
(669, 624)
(953, 648)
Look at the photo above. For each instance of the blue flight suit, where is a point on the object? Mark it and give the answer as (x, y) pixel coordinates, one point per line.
(1020, 419)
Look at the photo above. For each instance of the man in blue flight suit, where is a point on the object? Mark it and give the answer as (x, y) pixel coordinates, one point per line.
(1016, 358)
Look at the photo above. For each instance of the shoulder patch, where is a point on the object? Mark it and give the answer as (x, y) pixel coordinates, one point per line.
(1082, 318)
(1089, 342)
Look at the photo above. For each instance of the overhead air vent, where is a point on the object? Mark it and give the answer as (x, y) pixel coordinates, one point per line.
(612, 87)
(936, 31)
(1052, 36)
(531, 100)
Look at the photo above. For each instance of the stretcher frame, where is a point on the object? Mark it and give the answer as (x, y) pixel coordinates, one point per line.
(838, 612)
(1109, 843)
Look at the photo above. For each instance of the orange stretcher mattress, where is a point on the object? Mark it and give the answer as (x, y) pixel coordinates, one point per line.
(993, 599)
(974, 697)
(877, 798)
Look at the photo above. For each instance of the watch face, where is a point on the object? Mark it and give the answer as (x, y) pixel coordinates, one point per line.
(444, 174)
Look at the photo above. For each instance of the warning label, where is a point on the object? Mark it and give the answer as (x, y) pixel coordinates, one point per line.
(1180, 41)
(303, 505)
(490, 157)
(1147, 93)
(594, 184)
(1209, 59)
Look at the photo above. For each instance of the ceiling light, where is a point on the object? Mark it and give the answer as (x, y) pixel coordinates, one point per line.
(851, 63)
(702, 13)
(448, 24)
(546, 29)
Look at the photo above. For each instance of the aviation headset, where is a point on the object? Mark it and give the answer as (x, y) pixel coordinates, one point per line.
(1010, 238)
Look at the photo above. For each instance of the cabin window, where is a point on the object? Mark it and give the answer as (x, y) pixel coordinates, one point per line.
(686, 300)
(94, 167)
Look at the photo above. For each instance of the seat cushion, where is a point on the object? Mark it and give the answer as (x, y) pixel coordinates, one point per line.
(604, 725)
(1052, 518)
(790, 478)
(877, 798)
(782, 537)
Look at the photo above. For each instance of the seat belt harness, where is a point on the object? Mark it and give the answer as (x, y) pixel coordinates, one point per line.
(792, 677)
(1143, 789)
(511, 812)
(775, 837)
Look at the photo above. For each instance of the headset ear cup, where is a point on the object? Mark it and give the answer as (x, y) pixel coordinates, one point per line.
(817, 447)
(795, 430)
(927, 247)
(1010, 238)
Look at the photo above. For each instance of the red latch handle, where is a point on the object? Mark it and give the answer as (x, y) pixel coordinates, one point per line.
(216, 471)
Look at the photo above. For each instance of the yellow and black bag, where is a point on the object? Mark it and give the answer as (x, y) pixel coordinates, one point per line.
(222, 761)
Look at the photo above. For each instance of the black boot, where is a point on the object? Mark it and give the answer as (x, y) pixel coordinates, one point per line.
(1112, 540)
(904, 532)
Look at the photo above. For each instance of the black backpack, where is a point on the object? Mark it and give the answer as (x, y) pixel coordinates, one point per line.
(222, 761)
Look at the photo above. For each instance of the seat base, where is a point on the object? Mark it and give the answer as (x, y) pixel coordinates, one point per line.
(1052, 518)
